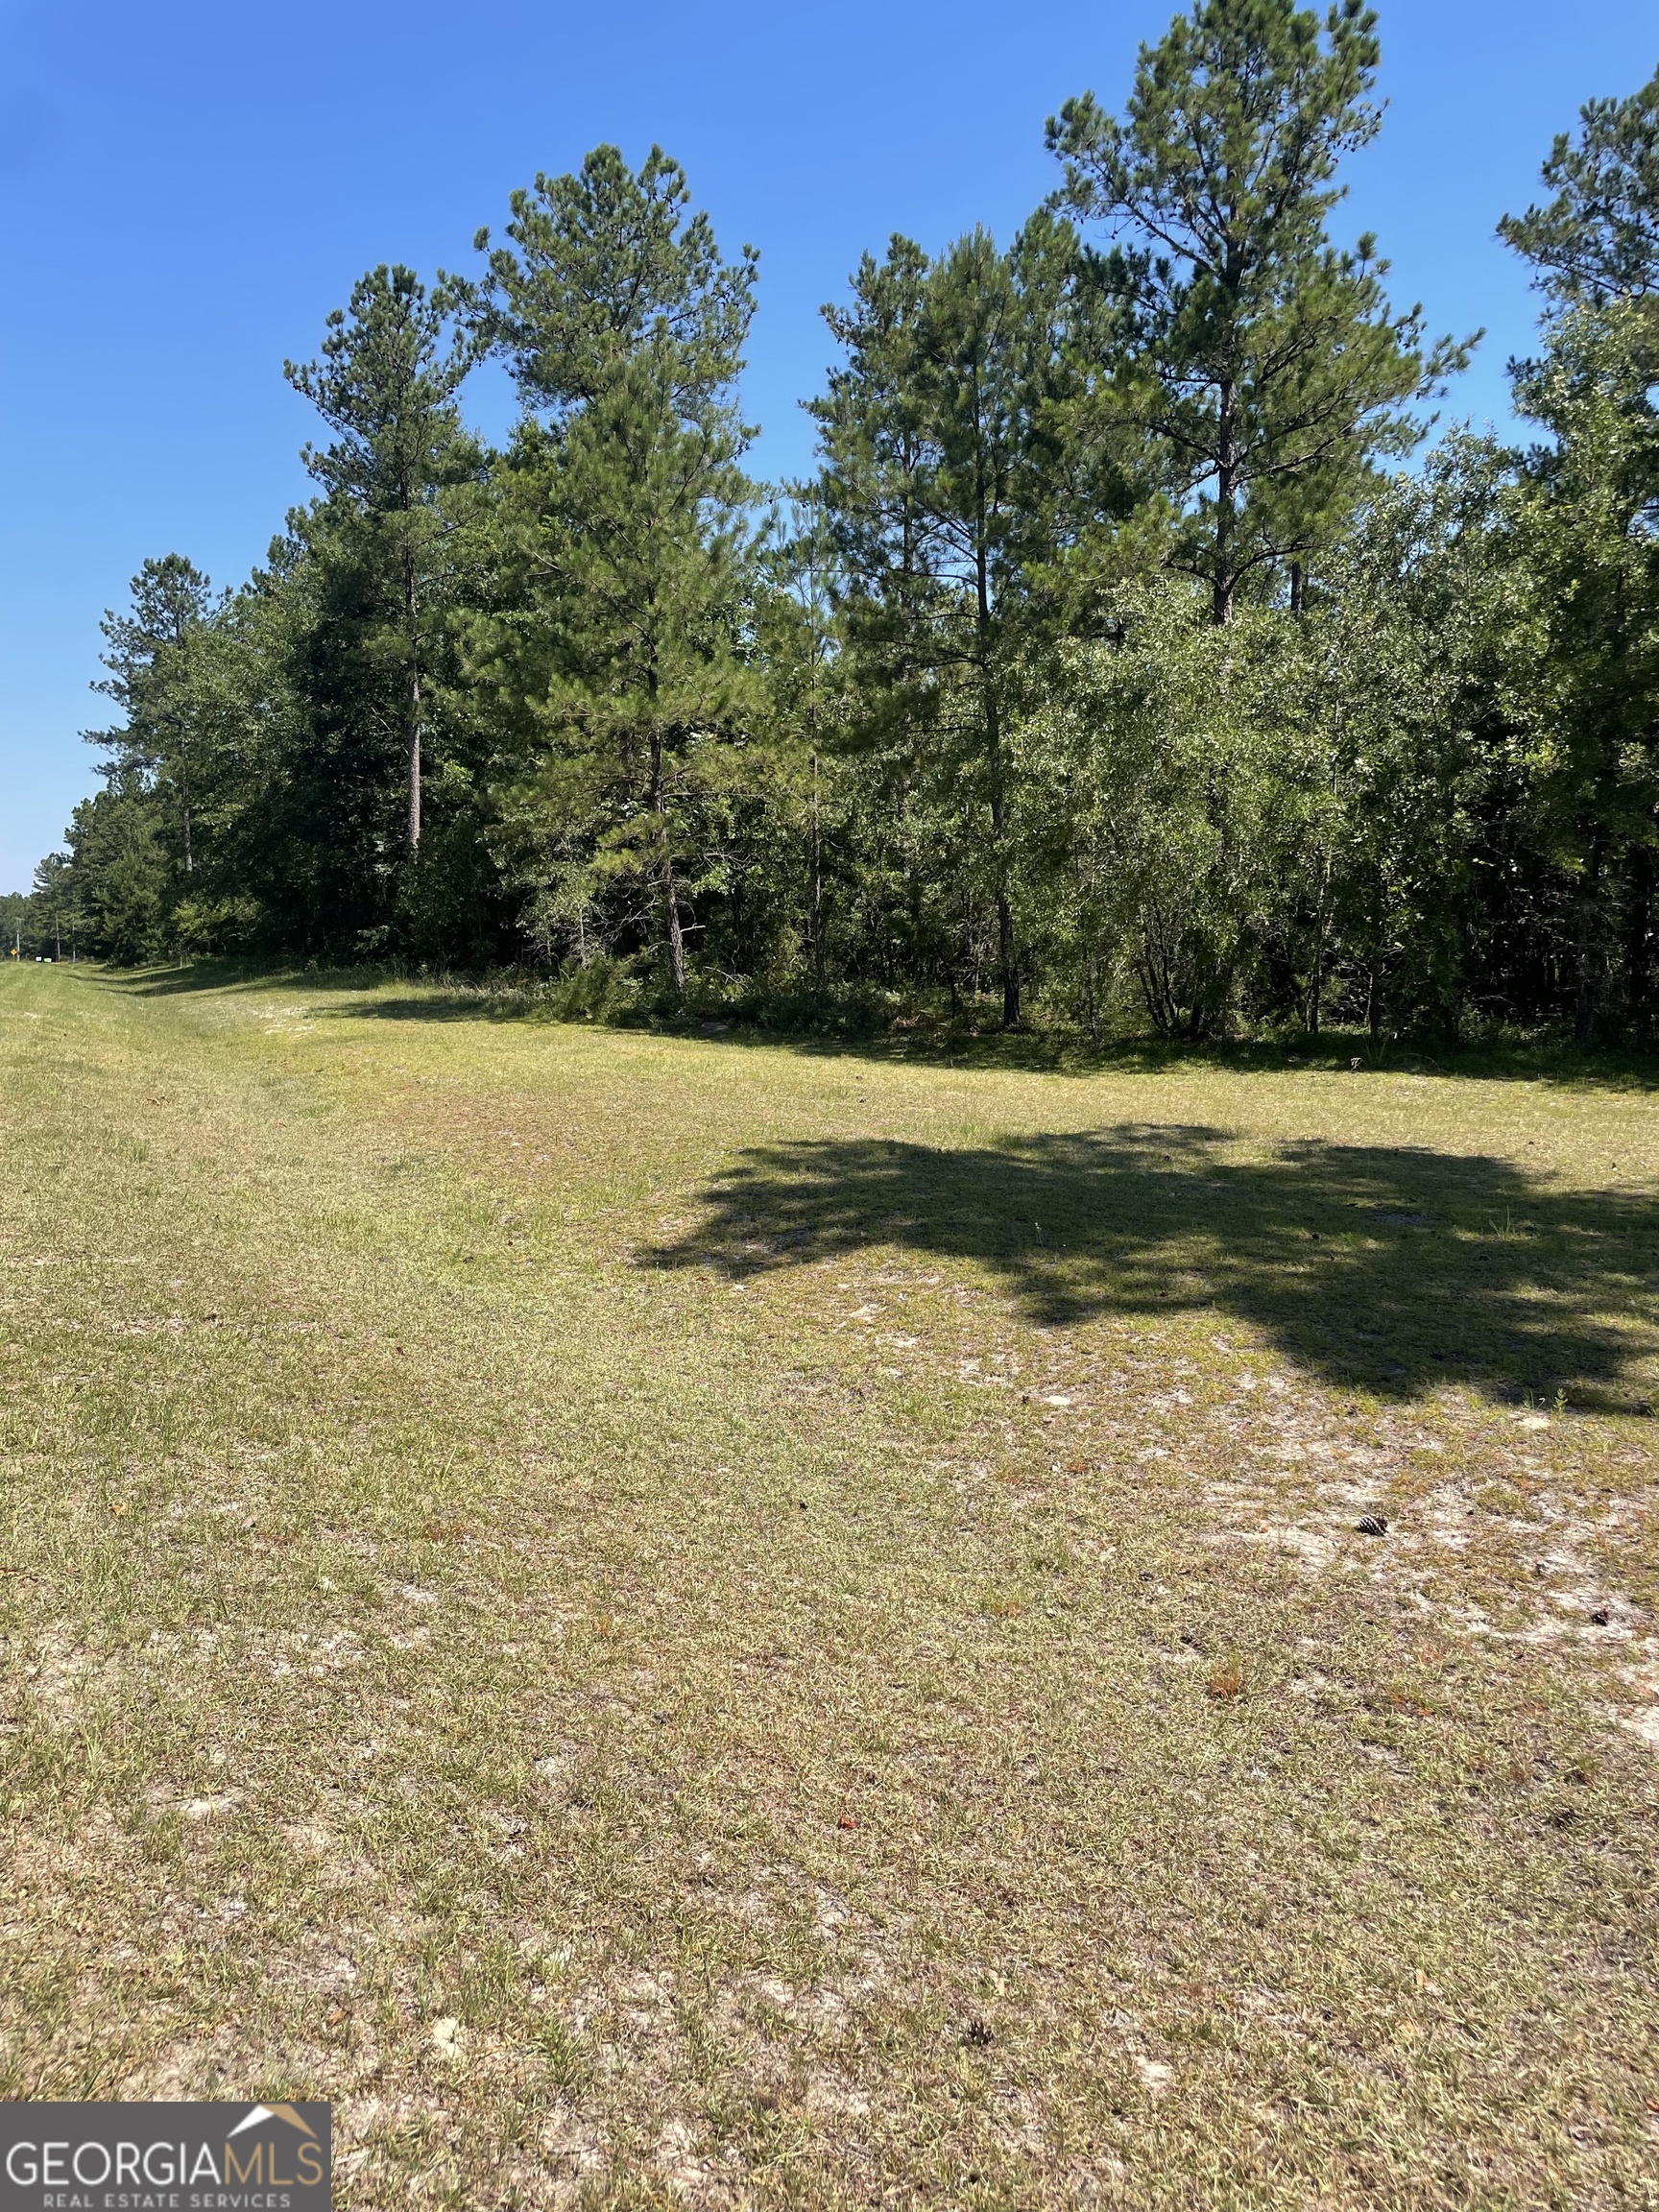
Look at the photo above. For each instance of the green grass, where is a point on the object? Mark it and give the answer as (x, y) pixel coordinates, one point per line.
(691, 1619)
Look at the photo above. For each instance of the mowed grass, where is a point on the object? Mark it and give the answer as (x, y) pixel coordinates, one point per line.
(683, 1621)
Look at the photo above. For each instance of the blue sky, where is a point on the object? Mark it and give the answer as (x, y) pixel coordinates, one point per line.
(188, 187)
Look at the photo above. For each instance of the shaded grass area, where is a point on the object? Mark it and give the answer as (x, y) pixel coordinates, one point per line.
(667, 1624)
(1384, 1268)
(889, 1033)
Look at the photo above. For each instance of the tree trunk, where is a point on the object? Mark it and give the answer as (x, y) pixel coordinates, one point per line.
(676, 936)
(1588, 916)
(1638, 932)
(414, 760)
(1321, 947)
(414, 728)
(817, 888)
(189, 863)
(670, 887)
(1226, 501)
(1008, 963)
(1006, 960)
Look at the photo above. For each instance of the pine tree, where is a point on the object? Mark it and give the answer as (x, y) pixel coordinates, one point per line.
(392, 365)
(148, 652)
(1589, 524)
(796, 636)
(1265, 362)
(1589, 520)
(936, 484)
(627, 522)
(1598, 240)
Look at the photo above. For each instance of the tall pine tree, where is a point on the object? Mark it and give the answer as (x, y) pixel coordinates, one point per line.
(626, 520)
(1265, 362)
(1598, 239)
(937, 482)
(392, 363)
(150, 654)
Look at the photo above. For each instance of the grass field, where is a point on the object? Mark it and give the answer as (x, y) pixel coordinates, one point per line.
(689, 1621)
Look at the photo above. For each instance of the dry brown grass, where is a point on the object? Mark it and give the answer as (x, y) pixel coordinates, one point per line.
(670, 1620)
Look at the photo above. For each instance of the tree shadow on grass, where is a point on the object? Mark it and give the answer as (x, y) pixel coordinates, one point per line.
(228, 973)
(935, 1043)
(1024, 1052)
(1386, 1270)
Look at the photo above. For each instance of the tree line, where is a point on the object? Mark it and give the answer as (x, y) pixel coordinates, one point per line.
(1137, 655)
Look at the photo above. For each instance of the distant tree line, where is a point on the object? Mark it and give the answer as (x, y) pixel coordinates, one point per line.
(1114, 668)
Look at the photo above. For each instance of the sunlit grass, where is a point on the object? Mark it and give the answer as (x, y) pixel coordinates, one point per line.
(674, 1619)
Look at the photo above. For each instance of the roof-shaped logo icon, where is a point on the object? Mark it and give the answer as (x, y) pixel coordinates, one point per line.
(256, 2113)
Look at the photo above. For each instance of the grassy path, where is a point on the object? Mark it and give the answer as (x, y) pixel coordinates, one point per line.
(675, 1621)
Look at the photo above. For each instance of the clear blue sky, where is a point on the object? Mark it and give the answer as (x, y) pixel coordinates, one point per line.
(189, 185)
